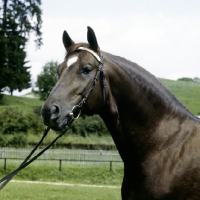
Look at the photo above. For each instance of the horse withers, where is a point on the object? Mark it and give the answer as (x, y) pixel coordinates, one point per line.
(157, 138)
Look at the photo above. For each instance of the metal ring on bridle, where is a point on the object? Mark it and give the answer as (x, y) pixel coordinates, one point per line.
(73, 111)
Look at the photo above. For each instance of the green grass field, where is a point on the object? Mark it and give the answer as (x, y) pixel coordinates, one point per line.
(98, 174)
(87, 174)
(24, 191)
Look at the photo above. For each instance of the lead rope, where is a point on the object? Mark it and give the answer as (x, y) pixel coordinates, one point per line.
(5, 180)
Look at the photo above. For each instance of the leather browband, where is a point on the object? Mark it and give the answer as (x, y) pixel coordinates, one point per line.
(92, 52)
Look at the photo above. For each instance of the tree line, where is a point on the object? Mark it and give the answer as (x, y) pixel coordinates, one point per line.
(18, 19)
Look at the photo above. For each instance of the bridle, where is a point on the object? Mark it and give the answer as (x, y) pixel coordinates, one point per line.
(101, 73)
(73, 115)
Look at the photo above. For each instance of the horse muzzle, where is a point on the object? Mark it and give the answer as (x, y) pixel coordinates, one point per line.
(57, 120)
(51, 116)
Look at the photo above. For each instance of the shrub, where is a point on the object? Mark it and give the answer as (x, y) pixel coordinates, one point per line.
(46, 80)
(35, 124)
(13, 120)
(185, 79)
(18, 140)
(3, 141)
(36, 110)
(85, 126)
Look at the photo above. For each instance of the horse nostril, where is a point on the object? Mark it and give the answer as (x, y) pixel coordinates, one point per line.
(55, 109)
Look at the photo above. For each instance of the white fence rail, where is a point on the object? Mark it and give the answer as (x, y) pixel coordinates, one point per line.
(55, 154)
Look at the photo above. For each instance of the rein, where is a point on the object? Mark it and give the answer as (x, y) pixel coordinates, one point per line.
(73, 115)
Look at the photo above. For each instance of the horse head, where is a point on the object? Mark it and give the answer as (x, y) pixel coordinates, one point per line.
(81, 70)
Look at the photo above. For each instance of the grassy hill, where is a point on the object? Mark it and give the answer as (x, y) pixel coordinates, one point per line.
(187, 92)
(24, 103)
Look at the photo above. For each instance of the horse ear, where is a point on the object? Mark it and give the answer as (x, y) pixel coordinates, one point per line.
(67, 41)
(92, 40)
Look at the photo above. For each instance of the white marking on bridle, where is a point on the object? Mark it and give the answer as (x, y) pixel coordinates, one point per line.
(72, 60)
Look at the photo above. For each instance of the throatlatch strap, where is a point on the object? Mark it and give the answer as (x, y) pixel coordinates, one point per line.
(103, 85)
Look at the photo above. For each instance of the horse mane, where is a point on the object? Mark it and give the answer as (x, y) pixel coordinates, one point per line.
(151, 83)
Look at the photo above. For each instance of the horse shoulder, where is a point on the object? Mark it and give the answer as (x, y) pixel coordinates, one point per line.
(174, 164)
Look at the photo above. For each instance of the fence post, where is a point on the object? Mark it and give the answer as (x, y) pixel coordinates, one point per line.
(60, 165)
(84, 157)
(110, 166)
(3, 154)
(101, 155)
(4, 164)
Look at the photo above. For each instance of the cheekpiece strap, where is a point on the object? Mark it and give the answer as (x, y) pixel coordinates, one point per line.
(100, 72)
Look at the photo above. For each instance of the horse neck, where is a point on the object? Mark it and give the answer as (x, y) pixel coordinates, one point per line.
(136, 104)
(134, 93)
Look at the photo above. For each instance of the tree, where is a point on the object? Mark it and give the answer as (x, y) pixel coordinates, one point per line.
(47, 79)
(18, 18)
(185, 79)
(196, 79)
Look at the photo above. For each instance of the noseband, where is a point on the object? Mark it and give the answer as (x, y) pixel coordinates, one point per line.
(74, 114)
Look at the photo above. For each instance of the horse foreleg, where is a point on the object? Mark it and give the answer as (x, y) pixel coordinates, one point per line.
(129, 188)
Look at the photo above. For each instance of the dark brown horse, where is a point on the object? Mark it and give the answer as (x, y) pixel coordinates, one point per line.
(157, 138)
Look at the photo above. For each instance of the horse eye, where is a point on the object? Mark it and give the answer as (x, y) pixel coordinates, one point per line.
(86, 69)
